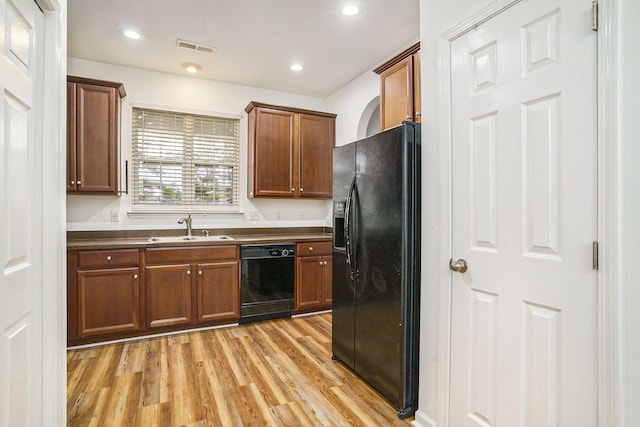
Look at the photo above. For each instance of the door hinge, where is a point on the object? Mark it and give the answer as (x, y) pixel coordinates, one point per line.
(595, 255)
(594, 15)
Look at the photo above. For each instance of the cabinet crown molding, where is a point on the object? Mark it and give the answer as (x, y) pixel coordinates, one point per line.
(254, 104)
(399, 57)
(118, 86)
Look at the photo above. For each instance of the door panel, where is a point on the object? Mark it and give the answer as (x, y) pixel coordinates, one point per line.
(378, 292)
(21, 86)
(523, 338)
(343, 321)
(316, 137)
(274, 153)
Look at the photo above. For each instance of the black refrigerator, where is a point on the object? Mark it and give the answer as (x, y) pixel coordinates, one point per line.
(376, 261)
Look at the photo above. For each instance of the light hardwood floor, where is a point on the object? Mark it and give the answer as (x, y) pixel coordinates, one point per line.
(273, 373)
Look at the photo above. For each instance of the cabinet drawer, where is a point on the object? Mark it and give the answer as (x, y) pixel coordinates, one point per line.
(108, 258)
(313, 248)
(201, 253)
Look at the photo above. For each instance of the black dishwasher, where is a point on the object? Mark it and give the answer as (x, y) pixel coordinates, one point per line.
(266, 281)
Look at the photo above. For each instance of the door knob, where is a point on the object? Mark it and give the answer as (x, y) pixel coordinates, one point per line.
(458, 265)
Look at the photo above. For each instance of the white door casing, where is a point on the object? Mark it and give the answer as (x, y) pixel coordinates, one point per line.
(524, 176)
(21, 83)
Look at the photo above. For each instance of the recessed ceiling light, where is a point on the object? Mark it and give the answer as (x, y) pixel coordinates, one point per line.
(131, 34)
(191, 68)
(296, 67)
(350, 9)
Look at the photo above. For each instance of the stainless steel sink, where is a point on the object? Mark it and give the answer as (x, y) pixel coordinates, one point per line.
(188, 238)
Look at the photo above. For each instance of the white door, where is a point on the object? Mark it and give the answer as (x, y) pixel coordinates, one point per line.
(21, 87)
(523, 338)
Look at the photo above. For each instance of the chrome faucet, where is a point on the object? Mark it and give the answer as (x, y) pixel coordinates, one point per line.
(186, 220)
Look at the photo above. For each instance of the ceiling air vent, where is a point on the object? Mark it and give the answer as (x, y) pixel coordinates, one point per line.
(195, 46)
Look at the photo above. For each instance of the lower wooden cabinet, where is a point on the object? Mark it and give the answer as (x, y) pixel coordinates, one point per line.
(103, 293)
(123, 293)
(168, 295)
(313, 277)
(218, 291)
(192, 285)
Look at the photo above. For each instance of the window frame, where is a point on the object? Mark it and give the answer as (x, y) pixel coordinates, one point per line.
(145, 209)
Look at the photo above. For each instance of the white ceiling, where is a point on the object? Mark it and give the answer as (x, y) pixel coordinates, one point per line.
(257, 40)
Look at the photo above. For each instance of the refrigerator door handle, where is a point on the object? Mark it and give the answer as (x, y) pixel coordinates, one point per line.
(347, 228)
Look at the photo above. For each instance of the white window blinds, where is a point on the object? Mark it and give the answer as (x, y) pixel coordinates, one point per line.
(185, 160)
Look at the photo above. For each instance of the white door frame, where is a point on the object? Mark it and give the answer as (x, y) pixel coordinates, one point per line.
(609, 386)
(54, 300)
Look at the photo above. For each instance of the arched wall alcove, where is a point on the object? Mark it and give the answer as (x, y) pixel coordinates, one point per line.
(369, 123)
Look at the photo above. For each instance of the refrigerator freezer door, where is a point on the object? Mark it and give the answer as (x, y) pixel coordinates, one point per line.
(343, 323)
(379, 346)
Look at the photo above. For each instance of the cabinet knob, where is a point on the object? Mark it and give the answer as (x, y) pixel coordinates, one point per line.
(188, 272)
(310, 248)
(108, 257)
(200, 273)
(73, 183)
(326, 262)
(135, 276)
(293, 189)
(301, 190)
(321, 263)
(78, 182)
(418, 113)
(408, 118)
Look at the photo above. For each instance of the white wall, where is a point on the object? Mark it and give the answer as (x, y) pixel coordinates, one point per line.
(351, 102)
(203, 96)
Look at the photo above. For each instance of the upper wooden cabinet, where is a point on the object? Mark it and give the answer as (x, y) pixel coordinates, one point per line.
(290, 152)
(93, 111)
(400, 88)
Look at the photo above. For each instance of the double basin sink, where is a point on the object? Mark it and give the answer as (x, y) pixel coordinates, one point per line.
(187, 238)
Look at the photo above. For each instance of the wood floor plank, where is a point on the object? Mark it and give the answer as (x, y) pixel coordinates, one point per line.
(272, 373)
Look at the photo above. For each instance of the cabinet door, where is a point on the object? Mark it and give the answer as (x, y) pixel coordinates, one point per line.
(328, 280)
(168, 295)
(96, 138)
(316, 138)
(309, 290)
(108, 301)
(273, 153)
(218, 291)
(71, 137)
(417, 96)
(396, 94)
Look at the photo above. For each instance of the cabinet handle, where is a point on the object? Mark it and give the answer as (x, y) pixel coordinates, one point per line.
(135, 276)
(108, 257)
(418, 113)
(408, 118)
(200, 273)
(188, 272)
(310, 248)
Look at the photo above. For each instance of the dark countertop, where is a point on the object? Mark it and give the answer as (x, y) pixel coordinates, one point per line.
(124, 239)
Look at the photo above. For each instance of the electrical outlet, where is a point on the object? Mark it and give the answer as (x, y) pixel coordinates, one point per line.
(254, 216)
(115, 216)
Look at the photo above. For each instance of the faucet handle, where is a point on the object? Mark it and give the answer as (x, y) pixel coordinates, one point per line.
(206, 233)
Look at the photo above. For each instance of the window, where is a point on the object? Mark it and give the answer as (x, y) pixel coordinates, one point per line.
(185, 160)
